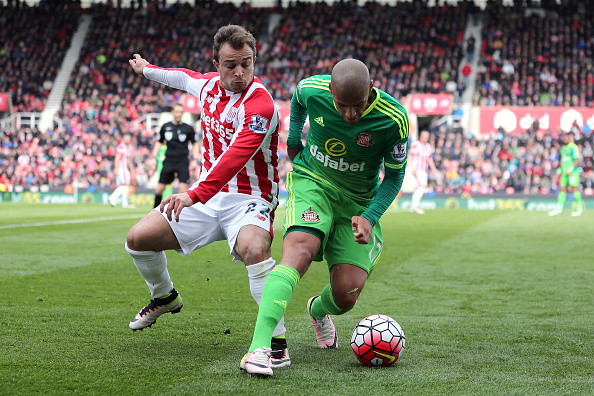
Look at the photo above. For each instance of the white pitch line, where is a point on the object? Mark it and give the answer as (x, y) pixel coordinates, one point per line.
(46, 223)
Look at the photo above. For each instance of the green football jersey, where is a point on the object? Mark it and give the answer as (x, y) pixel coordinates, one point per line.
(349, 157)
(569, 153)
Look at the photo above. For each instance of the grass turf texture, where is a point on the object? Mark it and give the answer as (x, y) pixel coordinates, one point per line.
(491, 302)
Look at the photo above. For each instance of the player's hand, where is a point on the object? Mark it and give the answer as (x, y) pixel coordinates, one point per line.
(138, 63)
(361, 229)
(176, 203)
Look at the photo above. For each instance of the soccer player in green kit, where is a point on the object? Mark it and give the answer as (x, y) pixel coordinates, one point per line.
(335, 198)
(569, 172)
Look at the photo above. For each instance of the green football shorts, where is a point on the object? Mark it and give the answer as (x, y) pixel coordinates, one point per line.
(323, 211)
(571, 180)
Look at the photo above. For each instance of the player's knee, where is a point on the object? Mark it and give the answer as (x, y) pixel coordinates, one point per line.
(137, 238)
(133, 238)
(254, 252)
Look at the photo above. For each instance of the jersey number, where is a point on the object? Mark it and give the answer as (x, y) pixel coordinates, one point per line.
(375, 251)
(252, 207)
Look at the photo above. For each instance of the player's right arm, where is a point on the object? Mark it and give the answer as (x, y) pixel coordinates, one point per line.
(296, 123)
(178, 78)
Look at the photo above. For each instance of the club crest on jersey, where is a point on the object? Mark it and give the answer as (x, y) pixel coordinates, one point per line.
(310, 215)
(258, 124)
(181, 136)
(399, 152)
(231, 114)
(364, 139)
(168, 135)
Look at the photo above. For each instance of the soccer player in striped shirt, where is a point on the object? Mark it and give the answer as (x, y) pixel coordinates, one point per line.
(335, 198)
(420, 159)
(237, 192)
(121, 171)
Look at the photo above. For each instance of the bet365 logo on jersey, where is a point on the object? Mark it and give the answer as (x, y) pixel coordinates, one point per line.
(336, 148)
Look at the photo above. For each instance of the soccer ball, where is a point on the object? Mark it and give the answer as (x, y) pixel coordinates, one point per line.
(378, 340)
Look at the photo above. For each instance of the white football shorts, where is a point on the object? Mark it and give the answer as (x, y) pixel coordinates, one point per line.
(421, 179)
(219, 219)
(123, 177)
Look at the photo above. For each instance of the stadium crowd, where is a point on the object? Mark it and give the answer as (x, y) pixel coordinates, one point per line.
(408, 48)
(520, 64)
(524, 163)
(33, 42)
(537, 57)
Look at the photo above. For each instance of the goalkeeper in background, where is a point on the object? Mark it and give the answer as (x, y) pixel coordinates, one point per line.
(569, 172)
(335, 198)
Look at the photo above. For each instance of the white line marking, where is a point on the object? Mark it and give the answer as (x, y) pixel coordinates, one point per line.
(46, 223)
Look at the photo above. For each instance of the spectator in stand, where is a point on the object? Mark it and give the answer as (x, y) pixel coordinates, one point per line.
(537, 57)
(418, 55)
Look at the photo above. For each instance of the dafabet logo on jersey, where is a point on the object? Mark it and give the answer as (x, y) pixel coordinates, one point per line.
(327, 161)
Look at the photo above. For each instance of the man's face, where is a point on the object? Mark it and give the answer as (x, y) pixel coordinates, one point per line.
(351, 106)
(566, 138)
(424, 138)
(177, 112)
(236, 67)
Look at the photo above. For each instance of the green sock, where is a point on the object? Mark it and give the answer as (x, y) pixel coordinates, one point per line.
(578, 200)
(325, 304)
(561, 200)
(275, 299)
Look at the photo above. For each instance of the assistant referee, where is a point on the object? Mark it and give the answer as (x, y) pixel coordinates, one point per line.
(178, 136)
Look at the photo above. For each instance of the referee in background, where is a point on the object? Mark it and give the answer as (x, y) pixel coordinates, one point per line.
(178, 136)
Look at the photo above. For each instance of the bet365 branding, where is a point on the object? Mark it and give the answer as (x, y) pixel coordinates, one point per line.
(336, 148)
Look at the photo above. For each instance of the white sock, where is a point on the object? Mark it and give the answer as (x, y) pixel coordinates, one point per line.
(416, 197)
(121, 191)
(125, 193)
(257, 274)
(153, 267)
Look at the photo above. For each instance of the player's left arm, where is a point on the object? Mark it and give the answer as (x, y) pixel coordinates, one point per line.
(577, 158)
(194, 146)
(196, 154)
(431, 162)
(395, 165)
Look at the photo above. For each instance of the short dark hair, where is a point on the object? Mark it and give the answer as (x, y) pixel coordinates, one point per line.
(236, 36)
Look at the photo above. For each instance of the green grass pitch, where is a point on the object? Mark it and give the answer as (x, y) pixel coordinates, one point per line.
(491, 302)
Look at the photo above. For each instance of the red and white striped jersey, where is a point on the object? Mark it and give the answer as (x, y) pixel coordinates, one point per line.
(125, 153)
(240, 144)
(418, 156)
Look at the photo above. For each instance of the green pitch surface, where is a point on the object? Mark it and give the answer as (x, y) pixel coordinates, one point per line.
(490, 302)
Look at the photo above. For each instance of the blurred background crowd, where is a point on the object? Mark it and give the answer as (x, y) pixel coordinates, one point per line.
(539, 58)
